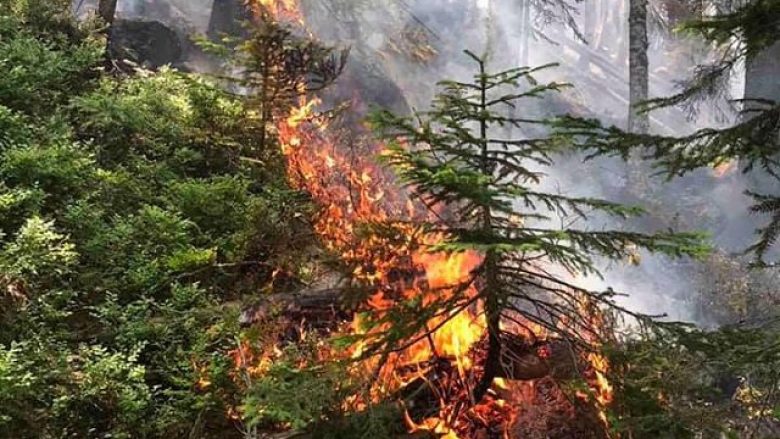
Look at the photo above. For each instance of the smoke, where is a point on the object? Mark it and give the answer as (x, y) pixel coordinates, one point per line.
(598, 69)
(400, 48)
(184, 15)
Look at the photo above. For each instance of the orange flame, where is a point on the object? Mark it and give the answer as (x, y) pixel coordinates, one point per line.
(279, 10)
(350, 189)
(724, 169)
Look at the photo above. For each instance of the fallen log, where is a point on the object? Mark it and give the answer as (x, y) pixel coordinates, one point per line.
(320, 308)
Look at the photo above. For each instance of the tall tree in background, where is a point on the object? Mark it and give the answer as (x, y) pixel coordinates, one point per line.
(276, 66)
(638, 76)
(107, 11)
(742, 35)
(458, 162)
(638, 89)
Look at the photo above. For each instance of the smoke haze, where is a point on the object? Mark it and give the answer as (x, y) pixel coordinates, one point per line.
(400, 48)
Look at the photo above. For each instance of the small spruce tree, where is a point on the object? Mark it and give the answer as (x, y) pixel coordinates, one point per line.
(274, 66)
(453, 158)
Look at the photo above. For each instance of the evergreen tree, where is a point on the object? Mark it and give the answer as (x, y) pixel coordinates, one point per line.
(274, 66)
(453, 158)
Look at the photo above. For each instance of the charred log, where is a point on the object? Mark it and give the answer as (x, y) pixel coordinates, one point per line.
(322, 309)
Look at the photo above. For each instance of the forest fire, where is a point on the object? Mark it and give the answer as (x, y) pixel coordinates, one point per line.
(281, 10)
(724, 169)
(395, 219)
(445, 362)
(351, 190)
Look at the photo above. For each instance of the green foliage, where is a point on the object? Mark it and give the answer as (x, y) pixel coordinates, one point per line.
(131, 229)
(45, 55)
(683, 382)
(37, 252)
(17, 381)
(106, 382)
(296, 397)
(61, 169)
(220, 204)
(13, 128)
(276, 67)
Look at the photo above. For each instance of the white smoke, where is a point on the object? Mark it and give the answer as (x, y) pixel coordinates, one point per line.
(384, 35)
(658, 284)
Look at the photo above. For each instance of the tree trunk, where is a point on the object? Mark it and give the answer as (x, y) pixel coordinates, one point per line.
(490, 293)
(638, 88)
(107, 11)
(638, 76)
(761, 75)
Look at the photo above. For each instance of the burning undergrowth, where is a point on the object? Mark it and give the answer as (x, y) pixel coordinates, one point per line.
(367, 219)
(435, 373)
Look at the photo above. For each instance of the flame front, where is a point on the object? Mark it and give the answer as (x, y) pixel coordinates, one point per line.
(350, 189)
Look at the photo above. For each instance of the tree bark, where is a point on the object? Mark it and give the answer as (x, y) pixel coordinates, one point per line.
(638, 76)
(107, 11)
(638, 90)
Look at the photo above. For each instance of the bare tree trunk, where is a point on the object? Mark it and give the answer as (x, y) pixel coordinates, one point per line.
(638, 75)
(638, 89)
(525, 31)
(107, 11)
